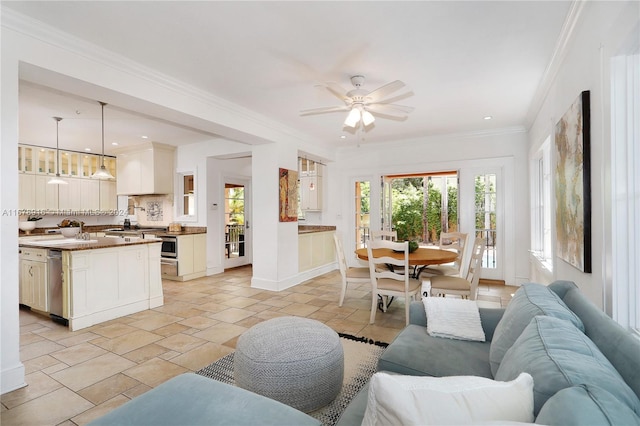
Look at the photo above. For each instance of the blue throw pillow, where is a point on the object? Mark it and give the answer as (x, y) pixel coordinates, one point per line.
(585, 405)
(558, 356)
(530, 300)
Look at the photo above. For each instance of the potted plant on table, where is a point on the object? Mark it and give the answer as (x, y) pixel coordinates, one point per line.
(70, 227)
(28, 225)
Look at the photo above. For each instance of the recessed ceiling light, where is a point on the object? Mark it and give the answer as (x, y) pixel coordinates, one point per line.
(343, 137)
(114, 143)
(488, 117)
(88, 149)
(145, 137)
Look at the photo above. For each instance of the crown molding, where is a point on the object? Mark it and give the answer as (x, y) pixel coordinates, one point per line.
(567, 34)
(44, 33)
(439, 138)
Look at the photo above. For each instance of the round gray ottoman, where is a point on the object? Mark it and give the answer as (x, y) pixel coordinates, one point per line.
(297, 361)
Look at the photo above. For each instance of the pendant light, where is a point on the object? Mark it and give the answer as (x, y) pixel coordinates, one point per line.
(103, 173)
(57, 180)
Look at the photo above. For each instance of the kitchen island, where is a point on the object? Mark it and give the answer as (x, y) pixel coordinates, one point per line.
(102, 278)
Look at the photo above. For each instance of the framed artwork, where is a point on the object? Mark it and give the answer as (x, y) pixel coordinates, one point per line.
(573, 185)
(288, 195)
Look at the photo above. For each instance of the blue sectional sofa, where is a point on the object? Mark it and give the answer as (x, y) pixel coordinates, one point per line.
(585, 367)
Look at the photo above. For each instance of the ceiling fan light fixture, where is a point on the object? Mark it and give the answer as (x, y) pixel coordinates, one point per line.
(353, 118)
(102, 173)
(57, 180)
(367, 118)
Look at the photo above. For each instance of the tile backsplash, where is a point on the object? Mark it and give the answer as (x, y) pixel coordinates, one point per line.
(152, 210)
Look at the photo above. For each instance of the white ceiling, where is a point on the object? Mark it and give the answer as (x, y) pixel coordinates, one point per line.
(462, 61)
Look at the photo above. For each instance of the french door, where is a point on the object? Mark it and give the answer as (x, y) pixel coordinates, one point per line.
(237, 226)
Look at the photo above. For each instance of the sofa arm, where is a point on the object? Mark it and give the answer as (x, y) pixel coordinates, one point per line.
(488, 316)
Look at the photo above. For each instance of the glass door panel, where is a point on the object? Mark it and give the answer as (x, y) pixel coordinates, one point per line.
(234, 224)
(486, 217)
(362, 212)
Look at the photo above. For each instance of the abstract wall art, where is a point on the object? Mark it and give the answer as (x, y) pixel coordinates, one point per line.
(288, 195)
(573, 185)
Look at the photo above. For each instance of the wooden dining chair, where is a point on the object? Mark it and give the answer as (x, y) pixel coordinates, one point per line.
(454, 241)
(467, 286)
(385, 282)
(356, 275)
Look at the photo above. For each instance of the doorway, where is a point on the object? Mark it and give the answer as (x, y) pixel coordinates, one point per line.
(237, 229)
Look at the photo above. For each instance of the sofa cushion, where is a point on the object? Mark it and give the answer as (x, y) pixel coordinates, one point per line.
(190, 399)
(619, 345)
(415, 353)
(558, 356)
(585, 405)
(410, 400)
(530, 300)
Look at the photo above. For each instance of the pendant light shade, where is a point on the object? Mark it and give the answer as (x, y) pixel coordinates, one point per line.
(57, 180)
(102, 173)
(353, 118)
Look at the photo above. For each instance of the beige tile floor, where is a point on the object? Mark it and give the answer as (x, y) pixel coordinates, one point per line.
(75, 377)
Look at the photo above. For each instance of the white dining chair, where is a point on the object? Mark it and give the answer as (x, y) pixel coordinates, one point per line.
(467, 286)
(385, 282)
(355, 275)
(384, 235)
(454, 241)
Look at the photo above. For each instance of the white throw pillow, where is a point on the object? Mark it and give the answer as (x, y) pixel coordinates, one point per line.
(453, 318)
(460, 400)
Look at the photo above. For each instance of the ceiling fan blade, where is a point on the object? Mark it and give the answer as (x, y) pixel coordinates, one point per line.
(336, 90)
(385, 90)
(389, 108)
(323, 110)
(394, 99)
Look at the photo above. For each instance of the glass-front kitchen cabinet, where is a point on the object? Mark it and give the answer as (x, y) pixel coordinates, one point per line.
(37, 164)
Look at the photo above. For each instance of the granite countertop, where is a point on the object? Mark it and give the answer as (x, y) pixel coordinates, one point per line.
(94, 243)
(306, 229)
(187, 230)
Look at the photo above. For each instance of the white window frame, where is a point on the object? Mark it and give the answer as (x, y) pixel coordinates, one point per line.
(541, 207)
(625, 186)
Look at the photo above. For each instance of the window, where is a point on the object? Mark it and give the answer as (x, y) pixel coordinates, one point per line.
(541, 205)
(186, 196)
(625, 187)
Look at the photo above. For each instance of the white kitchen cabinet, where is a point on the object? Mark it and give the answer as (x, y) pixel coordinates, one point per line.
(46, 196)
(69, 195)
(310, 185)
(146, 170)
(89, 194)
(33, 278)
(311, 193)
(103, 284)
(37, 165)
(108, 195)
(315, 249)
(192, 257)
(26, 191)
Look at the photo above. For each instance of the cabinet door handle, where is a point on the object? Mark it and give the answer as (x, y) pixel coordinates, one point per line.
(31, 270)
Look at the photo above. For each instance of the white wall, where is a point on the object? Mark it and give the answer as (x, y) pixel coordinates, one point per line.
(506, 150)
(601, 28)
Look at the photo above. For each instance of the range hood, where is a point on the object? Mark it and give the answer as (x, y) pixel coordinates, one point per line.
(146, 169)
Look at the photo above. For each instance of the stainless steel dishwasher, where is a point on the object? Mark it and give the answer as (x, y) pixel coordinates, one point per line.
(54, 292)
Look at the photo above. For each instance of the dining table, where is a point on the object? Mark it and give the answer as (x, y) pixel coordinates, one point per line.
(419, 259)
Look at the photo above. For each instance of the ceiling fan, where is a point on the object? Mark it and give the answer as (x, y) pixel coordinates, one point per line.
(363, 105)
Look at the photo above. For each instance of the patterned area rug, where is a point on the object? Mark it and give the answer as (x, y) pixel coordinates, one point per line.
(360, 361)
